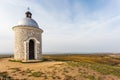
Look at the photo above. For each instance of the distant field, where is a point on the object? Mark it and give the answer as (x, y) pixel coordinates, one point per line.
(6, 55)
(91, 58)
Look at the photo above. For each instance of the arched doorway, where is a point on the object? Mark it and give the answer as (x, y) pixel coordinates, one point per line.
(31, 50)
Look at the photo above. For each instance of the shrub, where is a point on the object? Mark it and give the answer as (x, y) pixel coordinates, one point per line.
(5, 76)
(28, 70)
(16, 69)
(36, 74)
(12, 60)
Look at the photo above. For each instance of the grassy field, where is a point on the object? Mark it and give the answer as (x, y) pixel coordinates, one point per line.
(73, 67)
(103, 63)
(91, 58)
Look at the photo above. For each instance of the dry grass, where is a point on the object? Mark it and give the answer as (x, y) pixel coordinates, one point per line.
(92, 58)
(64, 67)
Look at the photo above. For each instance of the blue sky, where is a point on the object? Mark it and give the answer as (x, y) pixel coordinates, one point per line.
(69, 25)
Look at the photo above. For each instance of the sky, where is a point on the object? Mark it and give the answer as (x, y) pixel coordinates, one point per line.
(70, 26)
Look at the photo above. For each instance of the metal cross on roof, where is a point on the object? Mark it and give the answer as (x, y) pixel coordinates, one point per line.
(28, 8)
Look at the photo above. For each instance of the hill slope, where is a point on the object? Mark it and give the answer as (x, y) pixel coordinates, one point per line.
(62, 67)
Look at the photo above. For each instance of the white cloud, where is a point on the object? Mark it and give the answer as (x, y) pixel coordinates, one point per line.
(66, 28)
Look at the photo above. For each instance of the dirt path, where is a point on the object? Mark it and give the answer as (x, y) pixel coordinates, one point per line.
(5, 64)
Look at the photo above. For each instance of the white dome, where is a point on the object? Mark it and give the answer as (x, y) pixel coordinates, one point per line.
(28, 22)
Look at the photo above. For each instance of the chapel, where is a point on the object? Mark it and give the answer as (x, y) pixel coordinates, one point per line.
(28, 39)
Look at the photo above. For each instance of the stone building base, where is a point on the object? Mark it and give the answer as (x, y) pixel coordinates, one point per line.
(31, 61)
(24, 61)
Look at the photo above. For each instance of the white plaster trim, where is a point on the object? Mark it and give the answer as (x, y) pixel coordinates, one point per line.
(32, 39)
(25, 51)
(26, 45)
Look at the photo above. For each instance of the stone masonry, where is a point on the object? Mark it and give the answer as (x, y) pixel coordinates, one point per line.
(23, 34)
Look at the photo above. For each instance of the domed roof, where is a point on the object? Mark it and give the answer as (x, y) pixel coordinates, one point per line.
(28, 22)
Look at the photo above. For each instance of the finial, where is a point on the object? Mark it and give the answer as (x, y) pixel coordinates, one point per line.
(28, 8)
(28, 13)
